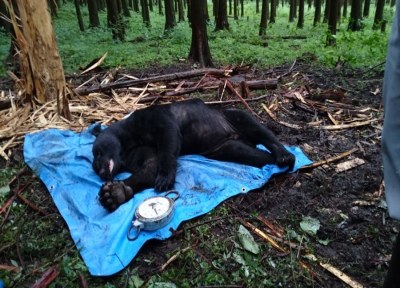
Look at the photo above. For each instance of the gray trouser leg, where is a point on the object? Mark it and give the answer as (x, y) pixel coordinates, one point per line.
(391, 126)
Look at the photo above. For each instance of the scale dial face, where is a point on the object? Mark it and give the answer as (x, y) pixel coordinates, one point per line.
(154, 208)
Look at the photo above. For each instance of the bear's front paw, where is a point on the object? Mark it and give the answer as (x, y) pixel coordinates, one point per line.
(114, 194)
(164, 182)
(286, 159)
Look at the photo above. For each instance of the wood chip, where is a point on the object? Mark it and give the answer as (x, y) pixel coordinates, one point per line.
(347, 165)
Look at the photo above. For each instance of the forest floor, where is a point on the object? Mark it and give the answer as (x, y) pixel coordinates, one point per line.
(327, 112)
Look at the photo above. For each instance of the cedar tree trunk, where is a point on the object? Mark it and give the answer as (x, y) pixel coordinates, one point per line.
(181, 12)
(264, 18)
(272, 16)
(317, 15)
(355, 16)
(41, 68)
(79, 15)
(170, 21)
(199, 49)
(380, 5)
(300, 22)
(115, 19)
(93, 13)
(221, 20)
(332, 23)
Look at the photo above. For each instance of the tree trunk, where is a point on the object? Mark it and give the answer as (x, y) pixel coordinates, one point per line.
(291, 10)
(272, 16)
(206, 15)
(355, 16)
(339, 11)
(380, 5)
(41, 67)
(300, 22)
(215, 8)
(264, 18)
(326, 11)
(367, 4)
(93, 13)
(199, 49)
(189, 10)
(221, 21)
(115, 19)
(145, 12)
(257, 6)
(136, 5)
(160, 8)
(170, 21)
(332, 23)
(345, 4)
(181, 12)
(235, 10)
(125, 8)
(317, 15)
(79, 15)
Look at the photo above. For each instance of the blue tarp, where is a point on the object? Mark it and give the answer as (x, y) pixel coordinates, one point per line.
(62, 159)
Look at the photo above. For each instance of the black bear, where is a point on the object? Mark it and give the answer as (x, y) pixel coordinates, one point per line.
(149, 141)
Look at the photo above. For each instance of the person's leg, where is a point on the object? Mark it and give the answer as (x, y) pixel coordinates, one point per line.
(391, 142)
(391, 127)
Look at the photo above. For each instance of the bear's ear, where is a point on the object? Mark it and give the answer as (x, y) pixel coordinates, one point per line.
(96, 130)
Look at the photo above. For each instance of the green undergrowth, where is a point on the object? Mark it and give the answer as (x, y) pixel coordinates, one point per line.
(151, 46)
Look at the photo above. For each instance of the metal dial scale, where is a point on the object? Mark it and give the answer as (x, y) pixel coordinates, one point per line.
(152, 214)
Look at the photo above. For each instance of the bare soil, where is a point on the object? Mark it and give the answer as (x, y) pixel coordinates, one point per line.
(349, 205)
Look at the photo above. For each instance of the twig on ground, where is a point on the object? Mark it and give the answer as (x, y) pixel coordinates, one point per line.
(288, 72)
(232, 89)
(272, 115)
(173, 258)
(346, 126)
(341, 275)
(236, 100)
(329, 160)
(276, 245)
(9, 268)
(49, 276)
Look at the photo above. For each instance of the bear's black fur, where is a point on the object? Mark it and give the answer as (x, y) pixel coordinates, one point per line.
(149, 141)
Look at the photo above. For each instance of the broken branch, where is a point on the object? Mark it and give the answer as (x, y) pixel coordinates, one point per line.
(167, 77)
(332, 159)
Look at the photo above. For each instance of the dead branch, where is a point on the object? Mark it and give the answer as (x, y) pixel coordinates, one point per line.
(332, 159)
(173, 258)
(49, 276)
(236, 100)
(341, 275)
(160, 78)
(346, 126)
(272, 115)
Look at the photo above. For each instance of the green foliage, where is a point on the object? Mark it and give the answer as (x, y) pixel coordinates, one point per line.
(146, 46)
